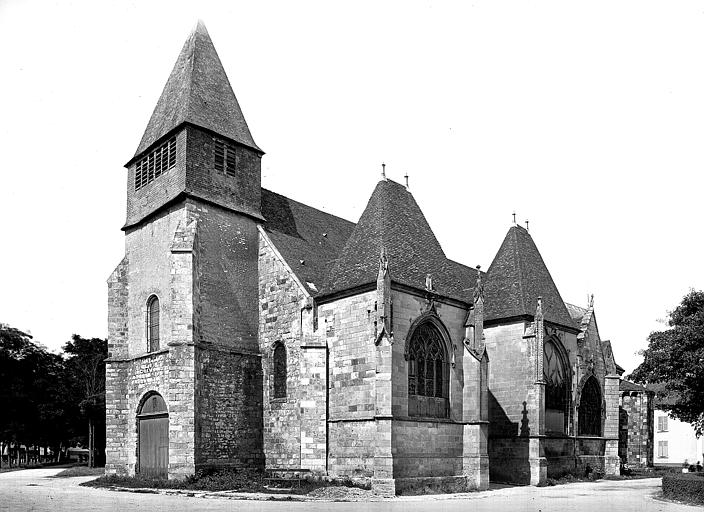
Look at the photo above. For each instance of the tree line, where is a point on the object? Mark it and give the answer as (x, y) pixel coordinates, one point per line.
(51, 401)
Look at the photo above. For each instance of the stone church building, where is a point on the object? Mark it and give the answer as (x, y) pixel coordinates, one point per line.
(249, 330)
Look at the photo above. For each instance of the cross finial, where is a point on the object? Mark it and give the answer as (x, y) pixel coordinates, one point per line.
(514, 218)
(527, 227)
(383, 170)
(406, 176)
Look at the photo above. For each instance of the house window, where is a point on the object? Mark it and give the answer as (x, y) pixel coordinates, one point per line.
(662, 449)
(428, 373)
(280, 371)
(662, 423)
(225, 158)
(153, 323)
(589, 417)
(155, 164)
(556, 388)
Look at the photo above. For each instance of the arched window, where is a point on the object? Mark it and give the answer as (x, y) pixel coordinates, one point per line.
(280, 371)
(153, 323)
(428, 373)
(556, 389)
(589, 417)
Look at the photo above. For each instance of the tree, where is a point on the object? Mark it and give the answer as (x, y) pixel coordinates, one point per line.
(674, 362)
(85, 375)
(31, 395)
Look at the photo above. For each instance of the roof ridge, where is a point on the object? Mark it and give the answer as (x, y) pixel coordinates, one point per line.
(517, 262)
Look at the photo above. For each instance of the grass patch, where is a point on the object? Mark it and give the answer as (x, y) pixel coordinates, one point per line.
(80, 471)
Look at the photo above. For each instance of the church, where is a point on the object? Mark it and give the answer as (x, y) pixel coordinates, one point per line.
(248, 330)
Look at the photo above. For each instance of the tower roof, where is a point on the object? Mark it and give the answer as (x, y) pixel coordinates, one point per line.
(393, 220)
(198, 92)
(517, 277)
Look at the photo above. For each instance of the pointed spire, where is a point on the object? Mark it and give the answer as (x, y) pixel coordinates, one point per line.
(198, 92)
(392, 220)
(517, 277)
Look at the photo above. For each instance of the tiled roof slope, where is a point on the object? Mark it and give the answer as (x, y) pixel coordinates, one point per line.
(301, 233)
(392, 219)
(515, 280)
(198, 92)
(626, 385)
(576, 312)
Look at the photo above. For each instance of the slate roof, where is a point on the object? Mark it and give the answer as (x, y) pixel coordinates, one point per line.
(626, 385)
(392, 219)
(198, 92)
(302, 233)
(517, 277)
(576, 312)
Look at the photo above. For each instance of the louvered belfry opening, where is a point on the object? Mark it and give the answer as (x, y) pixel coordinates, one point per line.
(155, 164)
(153, 323)
(428, 373)
(225, 157)
(589, 417)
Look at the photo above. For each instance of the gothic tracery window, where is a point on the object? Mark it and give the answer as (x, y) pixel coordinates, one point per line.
(589, 417)
(428, 373)
(279, 371)
(556, 388)
(153, 323)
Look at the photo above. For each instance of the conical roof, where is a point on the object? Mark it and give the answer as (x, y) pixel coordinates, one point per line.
(198, 92)
(393, 220)
(517, 277)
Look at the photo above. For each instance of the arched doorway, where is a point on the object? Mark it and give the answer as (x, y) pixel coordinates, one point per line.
(153, 432)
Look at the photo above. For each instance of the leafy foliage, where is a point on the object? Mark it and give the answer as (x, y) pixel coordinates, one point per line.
(674, 362)
(47, 399)
(687, 487)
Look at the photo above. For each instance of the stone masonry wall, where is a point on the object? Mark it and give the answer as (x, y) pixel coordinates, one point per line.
(348, 325)
(511, 381)
(228, 390)
(148, 250)
(427, 448)
(229, 409)
(227, 275)
(423, 447)
(637, 429)
(241, 192)
(280, 303)
(128, 381)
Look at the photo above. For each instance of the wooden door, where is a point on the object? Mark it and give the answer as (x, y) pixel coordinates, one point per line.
(154, 446)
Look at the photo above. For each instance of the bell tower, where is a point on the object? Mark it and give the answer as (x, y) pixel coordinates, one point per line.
(191, 246)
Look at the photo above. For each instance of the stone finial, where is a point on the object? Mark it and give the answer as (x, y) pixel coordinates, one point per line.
(406, 177)
(479, 288)
(383, 263)
(383, 171)
(591, 301)
(429, 282)
(539, 309)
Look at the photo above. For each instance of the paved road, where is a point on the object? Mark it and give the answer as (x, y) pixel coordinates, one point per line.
(34, 489)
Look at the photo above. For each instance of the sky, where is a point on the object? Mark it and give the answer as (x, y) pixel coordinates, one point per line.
(585, 118)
